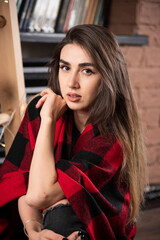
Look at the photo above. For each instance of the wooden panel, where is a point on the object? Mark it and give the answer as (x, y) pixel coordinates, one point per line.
(12, 89)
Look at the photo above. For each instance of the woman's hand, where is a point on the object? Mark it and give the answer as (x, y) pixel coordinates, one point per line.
(50, 235)
(53, 106)
(45, 235)
(74, 236)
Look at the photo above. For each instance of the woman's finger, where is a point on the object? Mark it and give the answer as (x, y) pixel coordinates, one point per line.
(50, 235)
(46, 91)
(41, 101)
(73, 236)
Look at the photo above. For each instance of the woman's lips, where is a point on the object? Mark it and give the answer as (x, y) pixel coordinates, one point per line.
(73, 97)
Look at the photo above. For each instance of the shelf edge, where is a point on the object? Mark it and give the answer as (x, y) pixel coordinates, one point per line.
(57, 37)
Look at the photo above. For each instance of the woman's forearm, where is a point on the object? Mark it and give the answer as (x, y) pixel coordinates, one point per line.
(43, 173)
(43, 185)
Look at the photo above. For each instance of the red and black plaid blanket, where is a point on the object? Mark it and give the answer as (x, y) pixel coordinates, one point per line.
(88, 173)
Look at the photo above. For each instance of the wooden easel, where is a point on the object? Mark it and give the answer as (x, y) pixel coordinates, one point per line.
(12, 87)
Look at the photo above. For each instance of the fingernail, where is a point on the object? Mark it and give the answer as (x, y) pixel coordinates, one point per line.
(79, 233)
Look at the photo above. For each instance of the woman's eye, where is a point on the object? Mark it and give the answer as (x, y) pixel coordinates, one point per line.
(64, 68)
(88, 71)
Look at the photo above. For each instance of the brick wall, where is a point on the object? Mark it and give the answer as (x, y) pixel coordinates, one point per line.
(144, 70)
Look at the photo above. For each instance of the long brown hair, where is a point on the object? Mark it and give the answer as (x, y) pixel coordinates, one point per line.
(114, 106)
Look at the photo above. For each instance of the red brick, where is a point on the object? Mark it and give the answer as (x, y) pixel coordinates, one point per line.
(150, 117)
(123, 17)
(149, 97)
(144, 77)
(144, 70)
(153, 33)
(149, 13)
(151, 1)
(153, 155)
(152, 56)
(154, 174)
(125, 10)
(123, 28)
(134, 56)
(152, 136)
(153, 162)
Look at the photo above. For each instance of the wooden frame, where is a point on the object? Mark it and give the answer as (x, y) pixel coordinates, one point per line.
(12, 87)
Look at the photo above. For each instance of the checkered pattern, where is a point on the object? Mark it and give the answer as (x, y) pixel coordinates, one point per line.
(88, 175)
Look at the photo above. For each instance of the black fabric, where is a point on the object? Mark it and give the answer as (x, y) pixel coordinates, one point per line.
(33, 114)
(62, 220)
(17, 149)
(75, 136)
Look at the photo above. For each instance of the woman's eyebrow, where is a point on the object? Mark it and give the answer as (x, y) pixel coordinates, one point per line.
(62, 61)
(85, 64)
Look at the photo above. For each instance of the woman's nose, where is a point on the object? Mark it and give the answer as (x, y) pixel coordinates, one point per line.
(73, 80)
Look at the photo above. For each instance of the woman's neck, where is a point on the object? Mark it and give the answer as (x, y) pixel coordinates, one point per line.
(80, 120)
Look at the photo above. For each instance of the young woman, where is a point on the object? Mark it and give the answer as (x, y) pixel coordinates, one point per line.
(81, 146)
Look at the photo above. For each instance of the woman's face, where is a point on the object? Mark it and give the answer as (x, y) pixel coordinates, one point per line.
(78, 78)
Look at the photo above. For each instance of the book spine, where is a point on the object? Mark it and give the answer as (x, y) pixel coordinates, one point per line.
(57, 8)
(76, 13)
(98, 11)
(28, 15)
(20, 10)
(80, 10)
(104, 19)
(19, 2)
(62, 15)
(68, 16)
(48, 15)
(93, 12)
(22, 19)
(84, 13)
(51, 16)
(34, 15)
(40, 18)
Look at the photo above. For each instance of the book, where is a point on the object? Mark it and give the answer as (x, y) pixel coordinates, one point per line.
(51, 16)
(34, 15)
(47, 16)
(76, 13)
(59, 15)
(104, 18)
(99, 12)
(68, 16)
(28, 15)
(91, 12)
(62, 16)
(84, 12)
(40, 16)
(80, 11)
(20, 10)
(23, 15)
(74, 16)
(18, 4)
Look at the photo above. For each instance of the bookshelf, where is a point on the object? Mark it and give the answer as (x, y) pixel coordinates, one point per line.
(57, 37)
(37, 48)
(64, 14)
(41, 37)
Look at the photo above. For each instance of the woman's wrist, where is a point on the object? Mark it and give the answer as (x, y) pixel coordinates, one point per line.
(48, 125)
(49, 121)
(31, 227)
